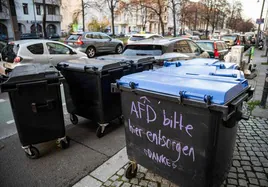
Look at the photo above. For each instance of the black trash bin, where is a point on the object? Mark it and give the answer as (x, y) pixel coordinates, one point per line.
(34, 93)
(139, 63)
(182, 126)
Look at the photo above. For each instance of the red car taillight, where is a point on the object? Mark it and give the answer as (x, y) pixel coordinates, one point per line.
(238, 42)
(79, 41)
(17, 59)
(216, 52)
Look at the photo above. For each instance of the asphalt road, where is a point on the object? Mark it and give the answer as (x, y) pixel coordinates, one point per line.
(56, 167)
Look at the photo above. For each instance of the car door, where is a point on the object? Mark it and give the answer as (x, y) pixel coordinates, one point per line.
(58, 53)
(107, 43)
(221, 49)
(182, 46)
(36, 53)
(97, 42)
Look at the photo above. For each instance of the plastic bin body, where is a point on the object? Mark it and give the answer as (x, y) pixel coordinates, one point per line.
(88, 89)
(34, 92)
(182, 128)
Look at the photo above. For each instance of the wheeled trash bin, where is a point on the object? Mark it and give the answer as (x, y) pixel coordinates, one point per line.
(34, 93)
(88, 89)
(182, 126)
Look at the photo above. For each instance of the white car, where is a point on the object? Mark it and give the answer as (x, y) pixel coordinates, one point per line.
(37, 51)
(139, 37)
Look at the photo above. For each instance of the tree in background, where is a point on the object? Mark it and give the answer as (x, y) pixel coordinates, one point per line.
(112, 6)
(174, 5)
(98, 26)
(235, 14)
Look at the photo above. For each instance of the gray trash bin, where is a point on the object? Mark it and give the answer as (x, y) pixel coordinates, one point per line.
(182, 127)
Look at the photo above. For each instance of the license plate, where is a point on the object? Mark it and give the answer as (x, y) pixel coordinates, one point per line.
(70, 43)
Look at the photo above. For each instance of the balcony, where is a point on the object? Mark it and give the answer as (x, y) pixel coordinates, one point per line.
(4, 16)
(49, 2)
(54, 18)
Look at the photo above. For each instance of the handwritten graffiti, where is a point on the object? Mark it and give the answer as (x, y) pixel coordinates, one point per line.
(144, 111)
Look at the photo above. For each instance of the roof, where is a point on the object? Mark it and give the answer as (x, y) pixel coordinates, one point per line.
(200, 41)
(163, 41)
(146, 35)
(32, 41)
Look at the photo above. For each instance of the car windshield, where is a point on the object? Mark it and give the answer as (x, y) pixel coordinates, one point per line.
(228, 37)
(140, 50)
(74, 37)
(136, 38)
(206, 45)
(10, 52)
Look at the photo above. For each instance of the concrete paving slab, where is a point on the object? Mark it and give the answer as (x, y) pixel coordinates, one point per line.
(56, 167)
(260, 112)
(85, 133)
(88, 181)
(107, 169)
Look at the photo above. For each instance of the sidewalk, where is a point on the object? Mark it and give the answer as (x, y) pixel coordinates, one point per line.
(258, 83)
(250, 163)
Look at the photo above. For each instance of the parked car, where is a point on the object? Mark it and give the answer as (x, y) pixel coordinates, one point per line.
(3, 37)
(2, 45)
(37, 51)
(54, 37)
(192, 37)
(92, 43)
(139, 37)
(163, 49)
(27, 36)
(231, 39)
(216, 49)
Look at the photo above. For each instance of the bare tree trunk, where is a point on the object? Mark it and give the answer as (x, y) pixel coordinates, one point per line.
(14, 20)
(44, 19)
(112, 14)
(174, 18)
(162, 25)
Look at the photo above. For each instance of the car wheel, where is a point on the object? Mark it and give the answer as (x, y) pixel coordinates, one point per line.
(119, 49)
(91, 52)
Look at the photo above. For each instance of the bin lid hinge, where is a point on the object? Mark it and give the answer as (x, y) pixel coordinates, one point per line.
(207, 99)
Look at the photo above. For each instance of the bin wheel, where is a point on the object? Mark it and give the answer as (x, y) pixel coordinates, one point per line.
(130, 172)
(35, 153)
(121, 120)
(65, 144)
(99, 133)
(74, 119)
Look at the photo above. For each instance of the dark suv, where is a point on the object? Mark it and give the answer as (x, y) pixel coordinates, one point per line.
(161, 46)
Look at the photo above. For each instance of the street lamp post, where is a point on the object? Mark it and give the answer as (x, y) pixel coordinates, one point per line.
(259, 25)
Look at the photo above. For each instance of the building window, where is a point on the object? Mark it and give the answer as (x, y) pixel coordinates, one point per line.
(25, 8)
(51, 10)
(38, 10)
(1, 8)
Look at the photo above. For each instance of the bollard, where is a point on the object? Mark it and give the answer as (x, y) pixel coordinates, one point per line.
(265, 91)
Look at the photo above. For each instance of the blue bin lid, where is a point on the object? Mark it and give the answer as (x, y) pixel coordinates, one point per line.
(202, 62)
(194, 87)
(207, 71)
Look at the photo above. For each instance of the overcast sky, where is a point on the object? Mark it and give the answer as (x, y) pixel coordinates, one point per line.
(252, 8)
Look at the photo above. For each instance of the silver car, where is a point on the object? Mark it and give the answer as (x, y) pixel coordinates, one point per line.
(37, 51)
(92, 43)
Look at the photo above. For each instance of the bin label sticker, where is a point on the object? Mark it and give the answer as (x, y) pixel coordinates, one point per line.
(143, 110)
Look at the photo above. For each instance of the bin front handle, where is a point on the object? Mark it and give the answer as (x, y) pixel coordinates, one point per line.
(49, 105)
(206, 98)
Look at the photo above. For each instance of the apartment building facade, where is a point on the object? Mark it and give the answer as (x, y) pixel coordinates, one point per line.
(30, 17)
(138, 20)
